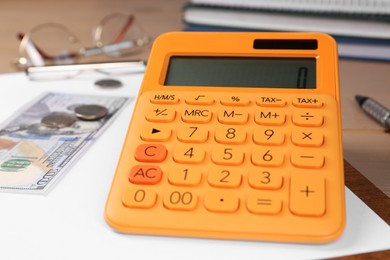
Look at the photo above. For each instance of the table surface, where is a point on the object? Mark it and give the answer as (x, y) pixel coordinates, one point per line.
(366, 143)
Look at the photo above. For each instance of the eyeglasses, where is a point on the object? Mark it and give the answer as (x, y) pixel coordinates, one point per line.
(51, 43)
(59, 72)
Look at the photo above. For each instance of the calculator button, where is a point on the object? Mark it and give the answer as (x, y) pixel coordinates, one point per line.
(155, 133)
(233, 116)
(307, 195)
(271, 101)
(264, 156)
(164, 98)
(188, 154)
(266, 135)
(304, 158)
(306, 117)
(145, 174)
(230, 134)
(307, 137)
(235, 100)
(224, 155)
(160, 114)
(183, 176)
(192, 133)
(151, 153)
(264, 203)
(196, 115)
(180, 199)
(199, 99)
(269, 179)
(221, 201)
(310, 102)
(139, 197)
(224, 177)
(270, 116)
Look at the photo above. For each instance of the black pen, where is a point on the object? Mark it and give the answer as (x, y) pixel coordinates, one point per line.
(375, 110)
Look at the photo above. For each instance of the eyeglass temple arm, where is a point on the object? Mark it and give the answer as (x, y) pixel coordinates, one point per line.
(43, 54)
(124, 29)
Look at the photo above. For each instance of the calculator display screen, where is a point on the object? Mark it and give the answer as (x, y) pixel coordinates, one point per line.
(253, 72)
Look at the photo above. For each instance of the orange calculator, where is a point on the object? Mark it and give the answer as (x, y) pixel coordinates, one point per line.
(234, 136)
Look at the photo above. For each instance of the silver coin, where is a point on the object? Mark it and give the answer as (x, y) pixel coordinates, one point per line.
(58, 120)
(108, 83)
(90, 112)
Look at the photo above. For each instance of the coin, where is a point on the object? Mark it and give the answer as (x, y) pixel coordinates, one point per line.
(108, 83)
(90, 112)
(58, 120)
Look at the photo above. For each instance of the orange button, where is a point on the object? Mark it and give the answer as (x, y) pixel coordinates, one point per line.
(307, 117)
(221, 201)
(264, 156)
(230, 134)
(184, 176)
(198, 115)
(307, 158)
(235, 100)
(180, 199)
(139, 198)
(221, 177)
(192, 133)
(307, 194)
(164, 98)
(224, 155)
(160, 114)
(266, 135)
(264, 203)
(234, 116)
(155, 133)
(151, 153)
(145, 174)
(270, 179)
(307, 137)
(199, 99)
(270, 116)
(189, 154)
(271, 101)
(311, 102)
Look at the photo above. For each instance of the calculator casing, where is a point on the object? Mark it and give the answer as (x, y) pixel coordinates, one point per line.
(285, 226)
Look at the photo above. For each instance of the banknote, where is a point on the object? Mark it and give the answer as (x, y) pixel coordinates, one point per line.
(41, 141)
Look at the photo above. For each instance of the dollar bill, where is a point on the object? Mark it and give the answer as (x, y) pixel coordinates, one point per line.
(35, 152)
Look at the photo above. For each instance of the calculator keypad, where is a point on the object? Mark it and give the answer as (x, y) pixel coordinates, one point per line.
(262, 160)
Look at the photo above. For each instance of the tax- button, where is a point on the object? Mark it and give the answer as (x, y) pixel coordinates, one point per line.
(221, 201)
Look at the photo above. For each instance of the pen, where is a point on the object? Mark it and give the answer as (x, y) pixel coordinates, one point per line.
(375, 110)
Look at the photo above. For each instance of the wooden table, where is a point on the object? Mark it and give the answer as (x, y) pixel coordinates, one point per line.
(366, 144)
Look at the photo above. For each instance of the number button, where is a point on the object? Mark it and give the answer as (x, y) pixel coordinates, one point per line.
(221, 201)
(270, 116)
(160, 114)
(188, 154)
(230, 135)
(139, 198)
(224, 177)
(268, 135)
(264, 203)
(264, 156)
(192, 134)
(223, 155)
(182, 176)
(180, 199)
(265, 179)
(307, 195)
